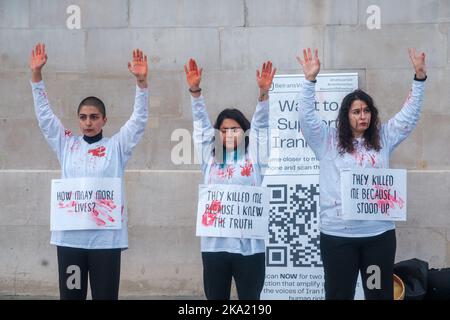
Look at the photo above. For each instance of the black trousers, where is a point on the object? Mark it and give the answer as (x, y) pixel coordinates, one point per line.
(343, 258)
(220, 267)
(101, 265)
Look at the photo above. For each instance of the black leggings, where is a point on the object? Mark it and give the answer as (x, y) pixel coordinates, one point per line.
(343, 258)
(102, 265)
(220, 267)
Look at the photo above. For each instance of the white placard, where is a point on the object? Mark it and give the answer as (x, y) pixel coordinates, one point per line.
(86, 203)
(233, 211)
(373, 194)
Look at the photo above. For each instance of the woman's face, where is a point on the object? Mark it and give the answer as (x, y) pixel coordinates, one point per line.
(231, 134)
(91, 120)
(359, 117)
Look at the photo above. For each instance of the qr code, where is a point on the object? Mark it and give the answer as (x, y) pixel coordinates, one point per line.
(293, 224)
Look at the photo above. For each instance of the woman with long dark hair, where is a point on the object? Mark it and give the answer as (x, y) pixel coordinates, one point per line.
(359, 141)
(231, 157)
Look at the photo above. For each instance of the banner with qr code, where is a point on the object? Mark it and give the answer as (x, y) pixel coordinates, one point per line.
(232, 211)
(294, 269)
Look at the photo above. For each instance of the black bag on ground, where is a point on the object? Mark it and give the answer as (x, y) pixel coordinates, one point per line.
(438, 284)
(414, 274)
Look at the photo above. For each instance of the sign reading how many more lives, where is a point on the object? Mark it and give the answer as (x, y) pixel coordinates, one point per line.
(86, 203)
(373, 194)
(233, 211)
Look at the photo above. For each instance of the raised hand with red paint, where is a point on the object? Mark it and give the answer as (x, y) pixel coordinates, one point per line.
(37, 61)
(418, 62)
(264, 79)
(139, 68)
(310, 64)
(193, 77)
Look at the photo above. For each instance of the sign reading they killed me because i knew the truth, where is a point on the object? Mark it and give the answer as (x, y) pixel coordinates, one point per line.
(233, 211)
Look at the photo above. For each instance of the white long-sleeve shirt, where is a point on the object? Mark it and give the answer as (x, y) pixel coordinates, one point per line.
(245, 170)
(105, 158)
(323, 140)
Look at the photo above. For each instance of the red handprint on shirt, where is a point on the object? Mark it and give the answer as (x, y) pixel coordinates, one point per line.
(247, 169)
(227, 173)
(98, 152)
